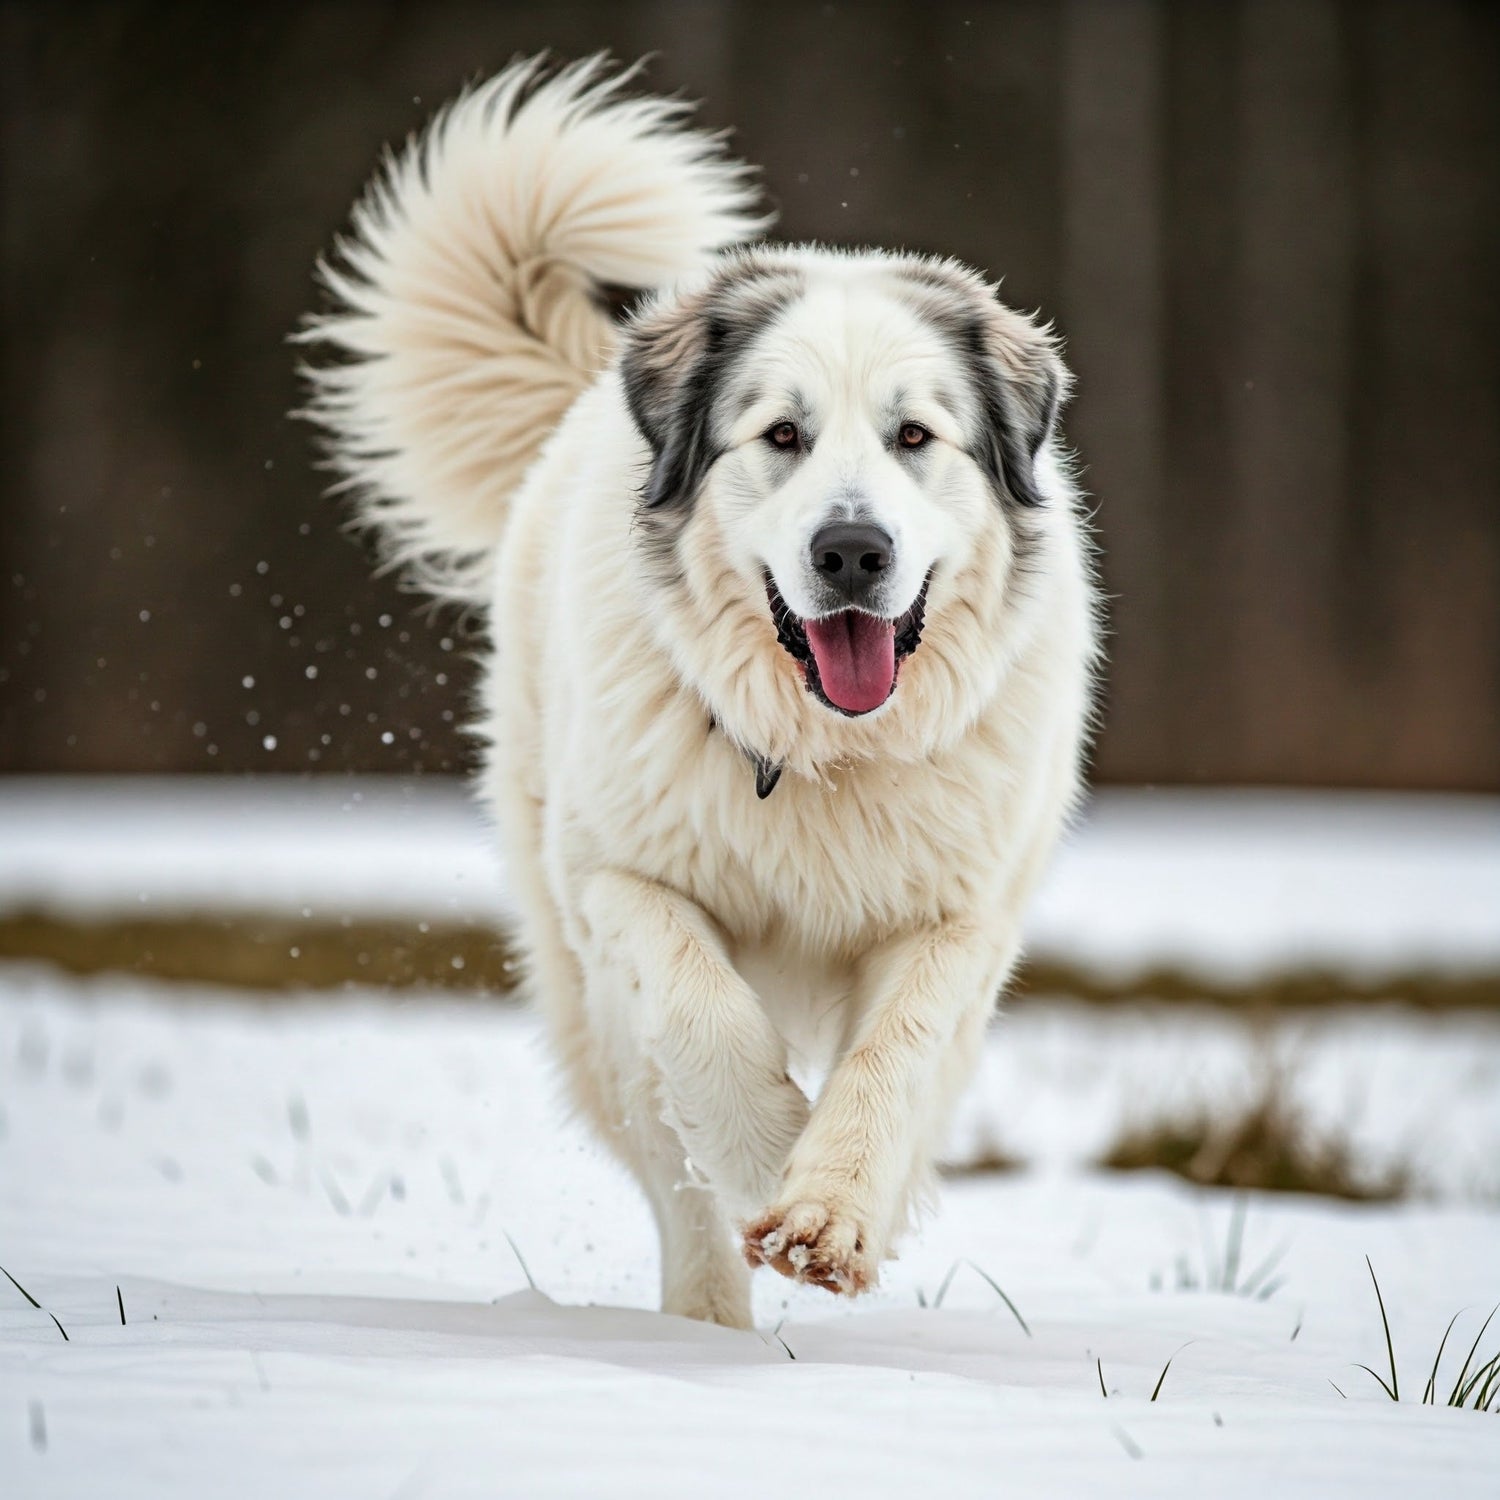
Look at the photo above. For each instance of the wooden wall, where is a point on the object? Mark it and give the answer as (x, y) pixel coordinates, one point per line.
(1268, 230)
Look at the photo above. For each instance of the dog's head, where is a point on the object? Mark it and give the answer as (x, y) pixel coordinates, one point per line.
(851, 462)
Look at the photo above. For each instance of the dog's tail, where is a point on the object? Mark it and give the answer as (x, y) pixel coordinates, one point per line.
(471, 300)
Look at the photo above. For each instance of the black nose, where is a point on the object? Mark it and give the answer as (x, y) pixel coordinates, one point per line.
(852, 556)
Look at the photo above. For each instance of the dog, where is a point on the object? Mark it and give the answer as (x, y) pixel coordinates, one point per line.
(794, 637)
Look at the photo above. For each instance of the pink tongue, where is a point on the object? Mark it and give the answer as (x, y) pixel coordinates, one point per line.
(856, 656)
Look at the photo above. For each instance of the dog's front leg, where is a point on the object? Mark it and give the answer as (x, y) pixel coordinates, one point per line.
(679, 1011)
(925, 997)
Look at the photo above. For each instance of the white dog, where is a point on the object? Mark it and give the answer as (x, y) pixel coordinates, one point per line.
(793, 636)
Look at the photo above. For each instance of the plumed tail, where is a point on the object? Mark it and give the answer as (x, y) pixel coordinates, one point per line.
(469, 299)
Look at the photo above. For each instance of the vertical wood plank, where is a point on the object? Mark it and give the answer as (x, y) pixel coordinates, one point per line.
(1200, 373)
(1111, 313)
(1428, 389)
(1292, 696)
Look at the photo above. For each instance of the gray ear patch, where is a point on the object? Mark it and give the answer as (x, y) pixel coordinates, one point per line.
(675, 410)
(1012, 366)
(674, 368)
(1020, 420)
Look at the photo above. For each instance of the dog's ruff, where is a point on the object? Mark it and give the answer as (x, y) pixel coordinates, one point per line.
(740, 852)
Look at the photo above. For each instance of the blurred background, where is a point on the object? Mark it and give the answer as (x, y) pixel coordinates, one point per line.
(1267, 229)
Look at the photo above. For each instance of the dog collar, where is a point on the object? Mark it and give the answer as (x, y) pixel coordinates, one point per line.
(767, 774)
(767, 771)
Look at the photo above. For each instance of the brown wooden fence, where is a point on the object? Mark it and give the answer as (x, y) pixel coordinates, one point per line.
(1268, 229)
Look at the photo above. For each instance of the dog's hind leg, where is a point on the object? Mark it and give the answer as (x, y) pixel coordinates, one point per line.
(616, 1086)
(662, 989)
(702, 1273)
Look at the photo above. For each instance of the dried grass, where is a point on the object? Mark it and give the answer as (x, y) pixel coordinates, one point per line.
(1265, 1144)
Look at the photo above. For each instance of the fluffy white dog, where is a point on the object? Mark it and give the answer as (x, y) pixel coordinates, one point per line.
(793, 634)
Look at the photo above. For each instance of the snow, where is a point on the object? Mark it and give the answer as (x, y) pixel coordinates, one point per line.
(1230, 885)
(308, 1207)
(323, 1215)
(1403, 1091)
(1244, 883)
(367, 847)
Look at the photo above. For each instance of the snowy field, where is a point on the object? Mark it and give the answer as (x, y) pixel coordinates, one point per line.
(1228, 884)
(359, 1250)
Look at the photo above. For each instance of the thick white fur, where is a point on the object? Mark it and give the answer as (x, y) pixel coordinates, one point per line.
(692, 946)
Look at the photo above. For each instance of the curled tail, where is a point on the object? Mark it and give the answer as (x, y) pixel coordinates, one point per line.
(468, 312)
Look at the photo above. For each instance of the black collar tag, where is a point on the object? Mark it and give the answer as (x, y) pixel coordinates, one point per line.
(767, 774)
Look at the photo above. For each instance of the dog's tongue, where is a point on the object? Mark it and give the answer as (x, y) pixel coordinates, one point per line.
(856, 656)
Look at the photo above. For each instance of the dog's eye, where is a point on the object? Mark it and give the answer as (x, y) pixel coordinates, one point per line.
(912, 436)
(784, 435)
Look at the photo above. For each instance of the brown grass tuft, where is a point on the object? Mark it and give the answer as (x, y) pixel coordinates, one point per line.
(1265, 1144)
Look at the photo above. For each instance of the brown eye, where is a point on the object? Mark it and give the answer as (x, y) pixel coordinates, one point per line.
(784, 435)
(912, 436)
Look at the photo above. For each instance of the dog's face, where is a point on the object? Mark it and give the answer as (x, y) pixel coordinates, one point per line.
(844, 449)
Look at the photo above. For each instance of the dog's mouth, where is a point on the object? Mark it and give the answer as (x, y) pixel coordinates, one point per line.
(850, 660)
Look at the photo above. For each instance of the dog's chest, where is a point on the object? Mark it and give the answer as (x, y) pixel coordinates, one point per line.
(813, 868)
(806, 996)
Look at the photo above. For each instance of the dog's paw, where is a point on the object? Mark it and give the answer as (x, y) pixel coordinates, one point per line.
(815, 1242)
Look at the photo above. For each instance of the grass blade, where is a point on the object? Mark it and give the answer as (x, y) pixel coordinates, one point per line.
(520, 1259)
(945, 1283)
(22, 1290)
(1429, 1395)
(119, 1297)
(1265, 1268)
(1491, 1386)
(1485, 1370)
(1160, 1378)
(1099, 1365)
(1379, 1380)
(999, 1291)
(1234, 1242)
(1394, 1387)
(32, 1300)
(1463, 1374)
(776, 1334)
(1211, 1279)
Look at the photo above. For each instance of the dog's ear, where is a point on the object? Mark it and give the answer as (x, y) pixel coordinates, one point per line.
(1022, 385)
(670, 369)
(676, 357)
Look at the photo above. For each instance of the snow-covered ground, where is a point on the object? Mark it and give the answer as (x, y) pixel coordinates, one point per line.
(316, 1210)
(1226, 884)
(308, 1210)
